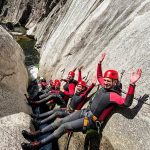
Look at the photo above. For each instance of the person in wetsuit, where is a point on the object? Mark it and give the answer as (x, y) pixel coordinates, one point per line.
(76, 103)
(106, 97)
(46, 96)
(63, 95)
(37, 90)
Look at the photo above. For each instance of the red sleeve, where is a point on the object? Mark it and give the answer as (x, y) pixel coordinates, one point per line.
(79, 76)
(123, 101)
(129, 96)
(114, 97)
(126, 102)
(88, 90)
(71, 88)
(84, 97)
(99, 75)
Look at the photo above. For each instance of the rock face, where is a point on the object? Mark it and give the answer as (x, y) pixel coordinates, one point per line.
(122, 30)
(76, 32)
(80, 141)
(13, 84)
(10, 130)
(27, 12)
(13, 76)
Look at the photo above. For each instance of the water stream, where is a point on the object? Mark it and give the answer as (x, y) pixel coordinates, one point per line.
(31, 55)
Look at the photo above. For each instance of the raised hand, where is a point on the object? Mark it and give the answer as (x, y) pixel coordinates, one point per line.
(102, 57)
(74, 69)
(81, 67)
(135, 76)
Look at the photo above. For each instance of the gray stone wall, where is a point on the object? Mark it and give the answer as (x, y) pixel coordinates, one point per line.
(122, 30)
(77, 31)
(13, 84)
(13, 75)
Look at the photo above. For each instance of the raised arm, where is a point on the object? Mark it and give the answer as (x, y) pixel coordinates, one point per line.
(130, 94)
(93, 82)
(79, 74)
(71, 91)
(65, 80)
(99, 70)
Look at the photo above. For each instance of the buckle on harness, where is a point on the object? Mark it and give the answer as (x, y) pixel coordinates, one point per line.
(97, 122)
(98, 125)
(94, 118)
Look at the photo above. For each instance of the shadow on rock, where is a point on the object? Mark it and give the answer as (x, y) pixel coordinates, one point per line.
(131, 113)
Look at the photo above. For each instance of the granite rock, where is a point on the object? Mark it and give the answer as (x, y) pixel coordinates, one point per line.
(77, 32)
(122, 30)
(13, 84)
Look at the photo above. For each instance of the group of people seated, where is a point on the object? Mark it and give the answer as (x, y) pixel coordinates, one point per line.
(71, 98)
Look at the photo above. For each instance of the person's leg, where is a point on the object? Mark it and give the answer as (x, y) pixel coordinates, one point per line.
(57, 123)
(31, 136)
(48, 113)
(75, 125)
(44, 95)
(45, 99)
(56, 114)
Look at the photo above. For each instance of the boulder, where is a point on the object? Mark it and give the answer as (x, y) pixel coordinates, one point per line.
(13, 76)
(13, 84)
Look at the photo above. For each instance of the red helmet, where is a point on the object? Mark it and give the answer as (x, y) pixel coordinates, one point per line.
(71, 73)
(51, 81)
(57, 82)
(53, 84)
(112, 74)
(82, 83)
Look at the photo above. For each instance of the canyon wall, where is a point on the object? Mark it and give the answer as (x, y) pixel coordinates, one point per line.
(122, 30)
(76, 32)
(13, 84)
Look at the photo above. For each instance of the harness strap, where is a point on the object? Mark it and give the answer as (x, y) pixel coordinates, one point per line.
(95, 119)
(85, 122)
